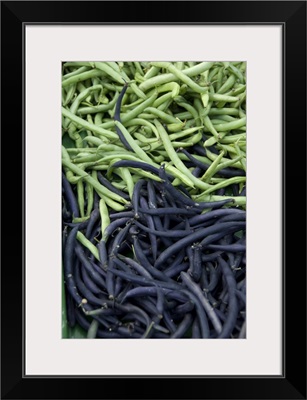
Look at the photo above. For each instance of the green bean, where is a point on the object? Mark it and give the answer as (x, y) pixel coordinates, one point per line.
(78, 64)
(80, 98)
(65, 156)
(212, 73)
(208, 124)
(93, 140)
(100, 167)
(202, 111)
(125, 174)
(212, 168)
(138, 67)
(217, 121)
(98, 118)
(145, 139)
(186, 132)
(133, 113)
(74, 135)
(235, 91)
(158, 159)
(175, 127)
(96, 81)
(228, 163)
(175, 159)
(139, 78)
(87, 178)
(211, 156)
(137, 149)
(193, 139)
(242, 114)
(152, 71)
(223, 97)
(85, 158)
(239, 153)
(82, 77)
(165, 78)
(145, 174)
(219, 79)
(110, 71)
(237, 73)
(86, 243)
(114, 66)
(183, 157)
(141, 121)
(223, 118)
(198, 69)
(184, 115)
(227, 148)
(75, 72)
(162, 99)
(240, 100)
(238, 200)
(77, 220)
(124, 156)
(165, 106)
(74, 150)
(90, 195)
(104, 215)
(184, 144)
(92, 127)
(182, 103)
(70, 94)
(224, 111)
(80, 87)
(179, 65)
(131, 105)
(225, 183)
(114, 205)
(181, 76)
(190, 123)
(99, 108)
(228, 139)
(172, 87)
(93, 329)
(162, 115)
(227, 85)
(238, 123)
(139, 93)
(80, 196)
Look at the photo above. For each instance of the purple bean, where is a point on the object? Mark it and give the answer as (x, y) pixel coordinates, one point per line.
(182, 309)
(105, 182)
(171, 233)
(222, 228)
(117, 118)
(196, 290)
(94, 217)
(136, 266)
(70, 197)
(183, 327)
(233, 308)
(174, 270)
(234, 248)
(89, 283)
(96, 277)
(150, 224)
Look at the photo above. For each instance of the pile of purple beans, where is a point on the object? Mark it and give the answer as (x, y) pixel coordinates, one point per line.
(168, 267)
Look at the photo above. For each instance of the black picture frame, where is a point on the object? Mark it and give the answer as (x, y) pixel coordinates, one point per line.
(292, 16)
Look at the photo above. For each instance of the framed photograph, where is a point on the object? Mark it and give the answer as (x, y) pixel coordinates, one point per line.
(146, 268)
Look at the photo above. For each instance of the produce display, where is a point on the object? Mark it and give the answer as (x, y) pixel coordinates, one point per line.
(154, 200)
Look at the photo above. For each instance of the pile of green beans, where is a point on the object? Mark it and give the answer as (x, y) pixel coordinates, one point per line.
(169, 110)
